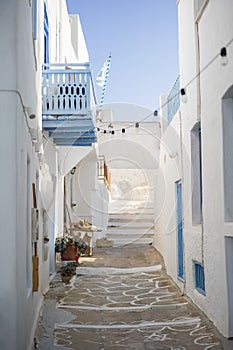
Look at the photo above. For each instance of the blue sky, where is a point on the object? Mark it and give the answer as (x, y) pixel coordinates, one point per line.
(142, 36)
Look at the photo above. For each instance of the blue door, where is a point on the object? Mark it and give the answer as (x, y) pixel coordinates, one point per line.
(179, 230)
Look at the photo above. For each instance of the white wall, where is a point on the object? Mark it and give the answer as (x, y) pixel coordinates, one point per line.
(205, 243)
(138, 148)
(169, 172)
(214, 83)
(17, 302)
(21, 60)
(78, 39)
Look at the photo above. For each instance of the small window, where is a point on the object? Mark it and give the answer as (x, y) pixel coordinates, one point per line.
(199, 277)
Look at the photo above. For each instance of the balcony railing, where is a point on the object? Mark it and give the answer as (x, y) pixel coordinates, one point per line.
(173, 100)
(67, 89)
(69, 104)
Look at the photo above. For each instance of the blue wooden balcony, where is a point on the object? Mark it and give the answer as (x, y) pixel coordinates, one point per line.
(68, 104)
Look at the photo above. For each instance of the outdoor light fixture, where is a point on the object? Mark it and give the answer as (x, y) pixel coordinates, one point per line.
(73, 170)
(137, 125)
(123, 131)
(223, 54)
(183, 95)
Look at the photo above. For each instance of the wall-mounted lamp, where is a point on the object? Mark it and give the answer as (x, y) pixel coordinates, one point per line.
(184, 97)
(223, 54)
(73, 170)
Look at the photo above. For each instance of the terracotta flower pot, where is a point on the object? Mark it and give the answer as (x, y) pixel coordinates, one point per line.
(69, 254)
(66, 279)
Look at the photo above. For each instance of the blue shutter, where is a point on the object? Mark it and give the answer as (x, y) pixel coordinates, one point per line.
(199, 278)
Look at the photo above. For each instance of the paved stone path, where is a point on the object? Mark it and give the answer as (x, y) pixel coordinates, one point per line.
(122, 298)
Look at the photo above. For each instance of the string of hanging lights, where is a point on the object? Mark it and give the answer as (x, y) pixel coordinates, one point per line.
(183, 92)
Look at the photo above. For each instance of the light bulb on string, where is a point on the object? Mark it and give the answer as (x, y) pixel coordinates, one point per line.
(112, 132)
(137, 125)
(105, 131)
(184, 97)
(223, 55)
(123, 131)
(155, 113)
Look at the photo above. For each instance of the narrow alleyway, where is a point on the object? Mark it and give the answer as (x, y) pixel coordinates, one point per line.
(122, 298)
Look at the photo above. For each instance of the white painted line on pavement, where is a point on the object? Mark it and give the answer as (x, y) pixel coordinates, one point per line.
(113, 270)
(129, 326)
(121, 308)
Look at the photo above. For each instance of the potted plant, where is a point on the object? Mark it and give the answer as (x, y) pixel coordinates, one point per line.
(67, 272)
(70, 247)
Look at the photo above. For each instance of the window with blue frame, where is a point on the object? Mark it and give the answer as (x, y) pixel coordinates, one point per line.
(46, 36)
(199, 277)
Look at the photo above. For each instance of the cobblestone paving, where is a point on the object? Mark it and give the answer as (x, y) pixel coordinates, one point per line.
(137, 308)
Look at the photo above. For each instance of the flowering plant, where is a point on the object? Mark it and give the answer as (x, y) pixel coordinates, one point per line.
(68, 270)
(61, 243)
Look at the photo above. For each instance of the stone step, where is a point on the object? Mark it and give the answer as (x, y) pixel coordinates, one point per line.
(130, 225)
(131, 210)
(141, 240)
(131, 217)
(129, 231)
(129, 207)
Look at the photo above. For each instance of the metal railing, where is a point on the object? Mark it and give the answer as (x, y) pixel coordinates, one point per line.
(67, 89)
(103, 172)
(173, 100)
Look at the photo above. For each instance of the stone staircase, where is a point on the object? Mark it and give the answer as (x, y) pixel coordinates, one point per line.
(130, 222)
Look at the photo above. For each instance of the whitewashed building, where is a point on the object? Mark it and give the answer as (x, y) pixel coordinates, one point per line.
(194, 202)
(47, 126)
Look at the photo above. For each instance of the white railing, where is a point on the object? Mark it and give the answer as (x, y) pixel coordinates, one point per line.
(173, 100)
(67, 89)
